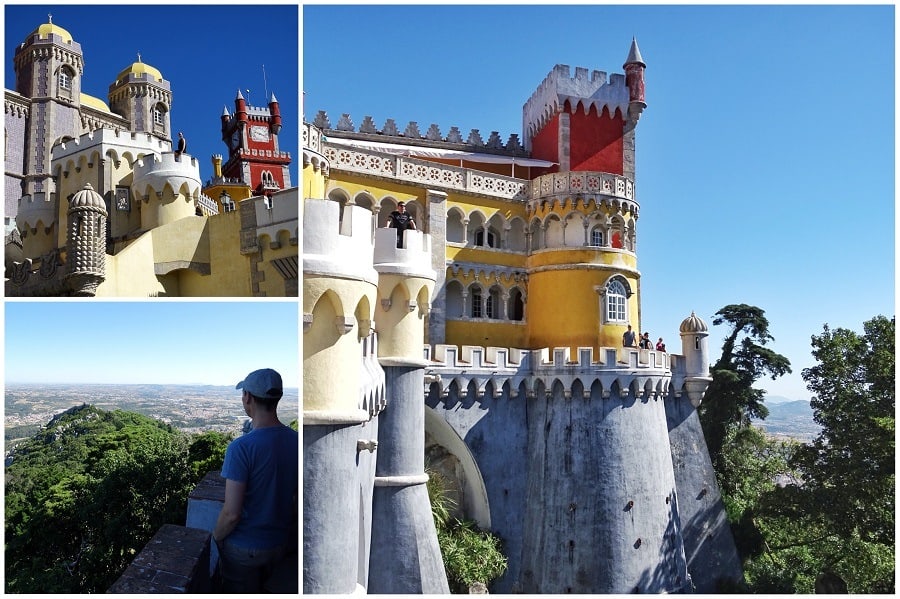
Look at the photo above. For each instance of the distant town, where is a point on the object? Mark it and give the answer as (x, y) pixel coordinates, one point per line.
(191, 408)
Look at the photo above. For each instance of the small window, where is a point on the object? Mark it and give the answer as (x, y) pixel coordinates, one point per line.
(158, 116)
(597, 238)
(65, 80)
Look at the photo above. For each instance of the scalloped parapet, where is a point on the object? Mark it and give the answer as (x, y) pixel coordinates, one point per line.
(116, 141)
(413, 259)
(337, 247)
(156, 171)
(432, 137)
(559, 86)
(645, 373)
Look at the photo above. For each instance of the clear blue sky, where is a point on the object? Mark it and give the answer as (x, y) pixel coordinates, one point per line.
(765, 158)
(206, 52)
(162, 342)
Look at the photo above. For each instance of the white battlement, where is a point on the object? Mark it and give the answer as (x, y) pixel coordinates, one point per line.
(413, 259)
(122, 141)
(158, 170)
(332, 250)
(558, 87)
(644, 373)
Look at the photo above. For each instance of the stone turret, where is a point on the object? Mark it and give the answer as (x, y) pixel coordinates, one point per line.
(694, 347)
(168, 187)
(407, 558)
(86, 242)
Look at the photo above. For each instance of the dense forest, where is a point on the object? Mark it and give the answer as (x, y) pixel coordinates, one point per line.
(88, 490)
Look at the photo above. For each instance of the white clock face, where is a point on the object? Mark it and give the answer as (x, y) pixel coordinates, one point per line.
(259, 133)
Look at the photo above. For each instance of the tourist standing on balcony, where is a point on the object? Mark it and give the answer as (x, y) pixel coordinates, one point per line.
(257, 526)
(628, 338)
(401, 220)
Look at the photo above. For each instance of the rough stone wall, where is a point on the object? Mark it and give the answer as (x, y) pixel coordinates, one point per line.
(708, 542)
(494, 430)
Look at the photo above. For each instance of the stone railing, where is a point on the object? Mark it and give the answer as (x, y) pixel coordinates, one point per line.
(415, 170)
(208, 204)
(582, 183)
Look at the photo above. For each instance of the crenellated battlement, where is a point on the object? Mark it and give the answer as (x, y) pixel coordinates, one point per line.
(413, 259)
(159, 170)
(433, 137)
(623, 371)
(559, 86)
(335, 246)
(133, 142)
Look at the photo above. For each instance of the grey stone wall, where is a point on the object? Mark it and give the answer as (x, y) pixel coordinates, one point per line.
(708, 542)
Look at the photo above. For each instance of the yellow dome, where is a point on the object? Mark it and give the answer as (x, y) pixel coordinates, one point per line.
(93, 102)
(137, 69)
(47, 28)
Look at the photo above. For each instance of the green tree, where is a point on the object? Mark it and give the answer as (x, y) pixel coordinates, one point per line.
(731, 400)
(836, 524)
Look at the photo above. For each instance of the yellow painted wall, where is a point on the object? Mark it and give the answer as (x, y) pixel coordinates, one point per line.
(564, 310)
(325, 348)
(497, 333)
(402, 332)
(313, 182)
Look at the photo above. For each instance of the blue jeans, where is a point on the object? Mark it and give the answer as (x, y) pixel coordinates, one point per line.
(247, 570)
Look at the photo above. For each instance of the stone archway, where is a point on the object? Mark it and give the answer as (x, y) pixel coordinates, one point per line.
(447, 454)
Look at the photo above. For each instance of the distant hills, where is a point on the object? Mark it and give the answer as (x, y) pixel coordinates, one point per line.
(789, 418)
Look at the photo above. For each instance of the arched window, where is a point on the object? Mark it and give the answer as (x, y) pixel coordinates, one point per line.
(487, 236)
(65, 79)
(492, 303)
(516, 308)
(456, 230)
(475, 295)
(455, 300)
(597, 237)
(616, 302)
(159, 116)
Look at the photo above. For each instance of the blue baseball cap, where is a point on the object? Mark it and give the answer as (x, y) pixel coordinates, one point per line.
(264, 384)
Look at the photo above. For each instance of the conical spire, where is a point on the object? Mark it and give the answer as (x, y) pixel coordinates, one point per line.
(634, 55)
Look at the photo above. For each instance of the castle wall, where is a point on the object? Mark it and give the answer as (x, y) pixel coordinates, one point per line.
(708, 543)
(15, 125)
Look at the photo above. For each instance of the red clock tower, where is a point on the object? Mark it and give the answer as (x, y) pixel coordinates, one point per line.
(251, 135)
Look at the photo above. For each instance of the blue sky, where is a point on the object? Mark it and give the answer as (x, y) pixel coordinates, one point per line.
(206, 52)
(765, 158)
(162, 342)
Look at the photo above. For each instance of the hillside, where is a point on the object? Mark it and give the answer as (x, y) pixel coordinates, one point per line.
(789, 418)
(87, 492)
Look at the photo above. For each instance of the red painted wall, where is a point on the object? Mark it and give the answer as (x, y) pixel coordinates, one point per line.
(596, 142)
(545, 146)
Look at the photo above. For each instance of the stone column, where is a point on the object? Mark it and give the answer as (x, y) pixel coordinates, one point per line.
(436, 202)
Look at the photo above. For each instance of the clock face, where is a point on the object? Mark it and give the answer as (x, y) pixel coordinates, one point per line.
(235, 140)
(259, 133)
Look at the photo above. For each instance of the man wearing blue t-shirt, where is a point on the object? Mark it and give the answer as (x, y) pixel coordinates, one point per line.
(257, 526)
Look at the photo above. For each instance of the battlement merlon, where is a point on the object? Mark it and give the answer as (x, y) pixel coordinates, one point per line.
(645, 373)
(118, 141)
(412, 260)
(411, 135)
(336, 247)
(558, 87)
(156, 171)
